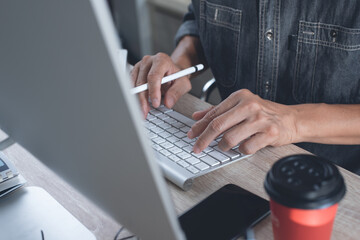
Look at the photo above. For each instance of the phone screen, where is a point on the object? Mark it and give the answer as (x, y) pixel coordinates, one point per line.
(225, 214)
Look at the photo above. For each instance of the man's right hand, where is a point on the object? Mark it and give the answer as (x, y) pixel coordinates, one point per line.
(151, 69)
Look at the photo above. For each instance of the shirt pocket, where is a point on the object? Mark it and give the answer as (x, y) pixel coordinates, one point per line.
(220, 33)
(327, 64)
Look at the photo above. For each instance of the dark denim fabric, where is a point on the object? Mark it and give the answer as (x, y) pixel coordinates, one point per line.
(291, 52)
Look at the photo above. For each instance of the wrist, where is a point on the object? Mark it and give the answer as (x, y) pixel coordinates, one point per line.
(307, 122)
(187, 53)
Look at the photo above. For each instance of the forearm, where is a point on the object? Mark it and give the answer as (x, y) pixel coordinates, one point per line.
(188, 52)
(328, 124)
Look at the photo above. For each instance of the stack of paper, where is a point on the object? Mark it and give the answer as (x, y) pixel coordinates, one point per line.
(10, 179)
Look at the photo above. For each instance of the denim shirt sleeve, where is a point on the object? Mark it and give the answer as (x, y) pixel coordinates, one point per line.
(188, 27)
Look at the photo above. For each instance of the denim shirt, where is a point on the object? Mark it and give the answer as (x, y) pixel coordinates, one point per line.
(290, 52)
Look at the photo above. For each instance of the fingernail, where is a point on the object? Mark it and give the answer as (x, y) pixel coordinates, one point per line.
(155, 102)
(196, 149)
(190, 134)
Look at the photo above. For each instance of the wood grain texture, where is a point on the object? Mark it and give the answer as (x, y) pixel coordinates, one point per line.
(249, 174)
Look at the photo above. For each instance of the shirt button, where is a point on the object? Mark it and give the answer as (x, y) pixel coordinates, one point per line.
(333, 33)
(269, 34)
(267, 86)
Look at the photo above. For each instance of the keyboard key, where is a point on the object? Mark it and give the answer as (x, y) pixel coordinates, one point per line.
(165, 152)
(231, 154)
(213, 143)
(237, 150)
(155, 112)
(149, 125)
(181, 144)
(188, 149)
(157, 121)
(157, 130)
(175, 150)
(164, 125)
(208, 149)
(193, 170)
(158, 140)
(152, 135)
(178, 125)
(183, 155)
(164, 109)
(199, 155)
(188, 140)
(219, 156)
(183, 163)
(164, 134)
(150, 117)
(162, 116)
(173, 139)
(174, 158)
(181, 118)
(166, 145)
(180, 134)
(170, 120)
(157, 147)
(202, 166)
(192, 160)
(210, 161)
(172, 130)
(185, 129)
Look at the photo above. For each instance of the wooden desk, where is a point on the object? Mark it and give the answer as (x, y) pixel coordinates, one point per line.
(249, 174)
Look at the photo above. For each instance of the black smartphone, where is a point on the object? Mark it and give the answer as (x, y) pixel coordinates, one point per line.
(226, 214)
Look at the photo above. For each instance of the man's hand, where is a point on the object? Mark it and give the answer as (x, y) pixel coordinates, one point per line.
(245, 117)
(151, 69)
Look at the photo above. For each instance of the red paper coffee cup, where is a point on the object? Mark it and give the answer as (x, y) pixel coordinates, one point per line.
(304, 193)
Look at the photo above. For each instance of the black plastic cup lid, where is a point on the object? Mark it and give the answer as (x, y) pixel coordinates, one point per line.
(305, 182)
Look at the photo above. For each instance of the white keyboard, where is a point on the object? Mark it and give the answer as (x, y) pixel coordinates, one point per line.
(167, 130)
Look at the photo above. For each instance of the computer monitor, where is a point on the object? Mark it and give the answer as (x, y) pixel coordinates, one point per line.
(64, 96)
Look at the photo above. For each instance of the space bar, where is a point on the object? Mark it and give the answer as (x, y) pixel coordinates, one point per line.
(181, 118)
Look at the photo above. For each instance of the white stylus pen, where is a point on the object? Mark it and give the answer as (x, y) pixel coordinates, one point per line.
(171, 77)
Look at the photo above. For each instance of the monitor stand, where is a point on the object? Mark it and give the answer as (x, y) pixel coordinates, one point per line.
(32, 213)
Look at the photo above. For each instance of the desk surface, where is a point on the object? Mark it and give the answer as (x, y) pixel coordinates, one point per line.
(249, 174)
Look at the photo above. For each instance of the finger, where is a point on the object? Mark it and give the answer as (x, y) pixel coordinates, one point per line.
(145, 107)
(219, 125)
(134, 74)
(165, 87)
(158, 70)
(142, 79)
(144, 103)
(200, 114)
(254, 143)
(202, 124)
(237, 134)
(177, 89)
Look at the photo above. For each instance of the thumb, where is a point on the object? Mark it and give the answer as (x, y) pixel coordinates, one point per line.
(176, 91)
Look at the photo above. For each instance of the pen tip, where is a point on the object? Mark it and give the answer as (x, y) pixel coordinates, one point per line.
(200, 67)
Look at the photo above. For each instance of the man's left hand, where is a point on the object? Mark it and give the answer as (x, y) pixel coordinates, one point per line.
(247, 119)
